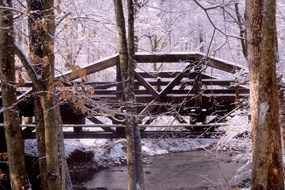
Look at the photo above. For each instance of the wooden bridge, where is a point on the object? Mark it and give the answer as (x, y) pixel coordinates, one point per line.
(190, 94)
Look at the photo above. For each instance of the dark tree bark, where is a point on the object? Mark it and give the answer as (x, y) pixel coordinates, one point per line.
(40, 69)
(127, 66)
(261, 37)
(242, 30)
(15, 145)
(131, 109)
(40, 134)
(36, 40)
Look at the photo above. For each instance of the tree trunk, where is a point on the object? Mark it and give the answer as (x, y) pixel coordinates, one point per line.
(40, 134)
(267, 156)
(15, 145)
(131, 101)
(37, 53)
(127, 66)
(42, 32)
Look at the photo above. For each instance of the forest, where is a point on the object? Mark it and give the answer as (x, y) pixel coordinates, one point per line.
(120, 82)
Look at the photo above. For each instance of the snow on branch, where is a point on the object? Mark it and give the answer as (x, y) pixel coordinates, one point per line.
(62, 18)
(206, 9)
(11, 9)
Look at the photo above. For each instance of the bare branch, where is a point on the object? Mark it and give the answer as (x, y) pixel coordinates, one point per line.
(11, 9)
(241, 30)
(206, 9)
(28, 66)
(62, 18)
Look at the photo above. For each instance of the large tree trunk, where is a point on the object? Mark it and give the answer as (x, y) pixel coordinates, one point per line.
(127, 66)
(261, 36)
(15, 145)
(42, 32)
(36, 41)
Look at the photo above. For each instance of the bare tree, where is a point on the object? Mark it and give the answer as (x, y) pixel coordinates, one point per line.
(40, 68)
(15, 145)
(127, 67)
(261, 38)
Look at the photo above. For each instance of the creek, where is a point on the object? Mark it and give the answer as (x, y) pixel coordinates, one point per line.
(175, 171)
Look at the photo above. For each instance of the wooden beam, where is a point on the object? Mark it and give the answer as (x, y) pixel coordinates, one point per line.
(166, 57)
(171, 85)
(173, 74)
(172, 57)
(148, 109)
(94, 67)
(225, 91)
(216, 90)
(163, 74)
(175, 98)
(217, 64)
(144, 134)
(153, 82)
(121, 125)
(147, 86)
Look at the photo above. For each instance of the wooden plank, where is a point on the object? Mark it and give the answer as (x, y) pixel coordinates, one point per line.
(144, 134)
(228, 65)
(163, 74)
(81, 135)
(225, 91)
(94, 67)
(217, 64)
(164, 82)
(147, 86)
(171, 57)
(171, 85)
(95, 84)
(122, 126)
(173, 98)
(108, 93)
(166, 57)
(148, 109)
(102, 85)
(90, 68)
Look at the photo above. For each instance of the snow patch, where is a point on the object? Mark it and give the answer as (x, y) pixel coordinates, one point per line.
(263, 110)
(31, 147)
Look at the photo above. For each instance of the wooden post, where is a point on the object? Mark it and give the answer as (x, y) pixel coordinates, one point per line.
(158, 87)
(237, 95)
(198, 116)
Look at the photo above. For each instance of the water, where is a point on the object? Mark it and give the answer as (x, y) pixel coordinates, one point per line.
(176, 171)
